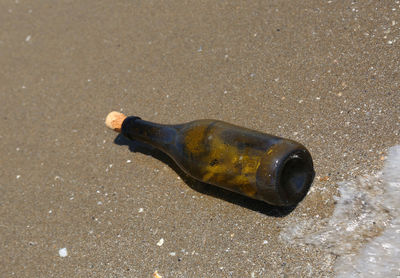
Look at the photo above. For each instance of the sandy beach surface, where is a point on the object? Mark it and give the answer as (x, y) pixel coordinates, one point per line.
(77, 200)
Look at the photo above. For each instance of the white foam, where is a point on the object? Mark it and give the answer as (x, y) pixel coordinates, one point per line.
(381, 256)
(364, 229)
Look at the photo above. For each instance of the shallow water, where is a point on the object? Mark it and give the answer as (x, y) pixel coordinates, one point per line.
(363, 233)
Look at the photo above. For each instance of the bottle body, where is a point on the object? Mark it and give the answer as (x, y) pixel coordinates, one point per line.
(258, 165)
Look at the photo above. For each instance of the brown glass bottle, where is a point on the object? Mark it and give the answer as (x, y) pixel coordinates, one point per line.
(261, 166)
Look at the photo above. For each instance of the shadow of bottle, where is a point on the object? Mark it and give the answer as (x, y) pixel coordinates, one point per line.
(204, 188)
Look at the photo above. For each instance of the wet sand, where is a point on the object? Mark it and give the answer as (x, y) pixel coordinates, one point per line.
(324, 73)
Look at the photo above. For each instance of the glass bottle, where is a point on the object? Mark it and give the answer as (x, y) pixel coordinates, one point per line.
(261, 166)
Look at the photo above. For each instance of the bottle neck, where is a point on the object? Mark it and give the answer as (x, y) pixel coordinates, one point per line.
(157, 135)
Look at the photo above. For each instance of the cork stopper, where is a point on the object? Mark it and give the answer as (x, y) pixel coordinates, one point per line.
(114, 120)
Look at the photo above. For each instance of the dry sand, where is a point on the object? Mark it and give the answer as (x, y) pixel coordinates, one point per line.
(325, 73)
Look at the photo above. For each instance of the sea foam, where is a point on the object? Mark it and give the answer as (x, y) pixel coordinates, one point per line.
(363, 232)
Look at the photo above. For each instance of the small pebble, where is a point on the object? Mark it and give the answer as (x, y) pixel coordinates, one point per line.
(63, 252)
(160, 242)
(156, 275)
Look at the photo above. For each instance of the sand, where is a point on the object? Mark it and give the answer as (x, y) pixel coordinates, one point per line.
(76, 200)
